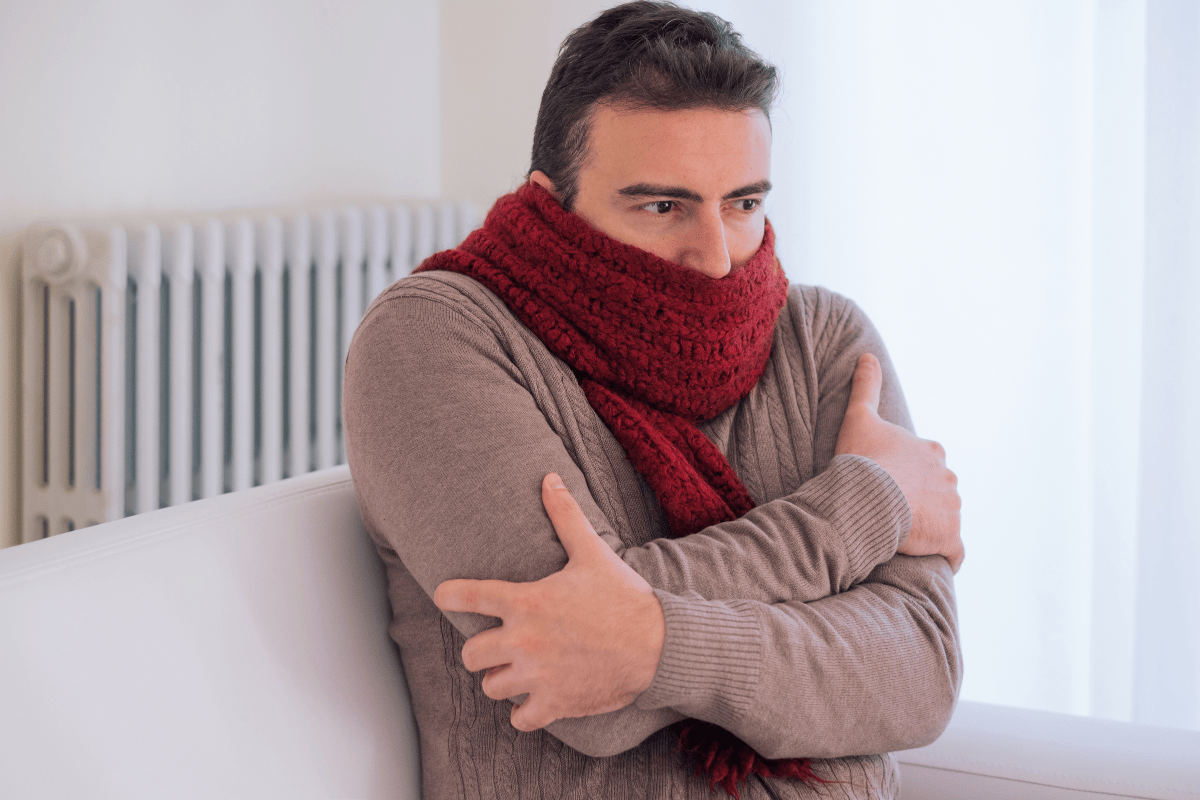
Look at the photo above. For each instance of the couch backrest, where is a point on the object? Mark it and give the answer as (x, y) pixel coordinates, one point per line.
(232, 647)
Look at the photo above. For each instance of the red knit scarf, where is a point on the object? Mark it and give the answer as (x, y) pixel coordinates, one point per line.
(657, 348)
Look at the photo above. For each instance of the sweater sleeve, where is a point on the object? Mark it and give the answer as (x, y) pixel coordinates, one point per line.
(448, 442)
(819, 540)
(872, 669)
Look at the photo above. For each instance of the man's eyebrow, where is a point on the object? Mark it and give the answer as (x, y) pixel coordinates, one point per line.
(762, 187)
(651, 190)
(679, 193)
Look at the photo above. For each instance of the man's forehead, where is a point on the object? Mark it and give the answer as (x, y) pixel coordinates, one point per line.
(693, 153)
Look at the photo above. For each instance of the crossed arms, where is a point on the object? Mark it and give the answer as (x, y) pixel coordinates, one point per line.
(817, 612)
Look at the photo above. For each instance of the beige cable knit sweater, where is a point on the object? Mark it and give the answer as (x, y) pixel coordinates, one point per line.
(796, 627)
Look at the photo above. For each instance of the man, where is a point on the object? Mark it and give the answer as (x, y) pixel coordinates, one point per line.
(607, 421)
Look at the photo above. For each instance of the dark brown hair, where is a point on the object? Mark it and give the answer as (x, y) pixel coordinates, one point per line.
(642, 55)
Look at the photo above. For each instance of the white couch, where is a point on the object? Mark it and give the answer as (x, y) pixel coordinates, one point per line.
(238, 647)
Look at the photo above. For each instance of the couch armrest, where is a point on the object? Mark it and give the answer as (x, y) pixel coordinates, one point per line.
(996, 752)
(230, 647)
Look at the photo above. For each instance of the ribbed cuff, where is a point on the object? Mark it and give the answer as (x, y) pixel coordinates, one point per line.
(865, 505)
(710, 658)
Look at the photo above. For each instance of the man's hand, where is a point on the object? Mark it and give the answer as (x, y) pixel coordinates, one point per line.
(585, 640)
(917, 465)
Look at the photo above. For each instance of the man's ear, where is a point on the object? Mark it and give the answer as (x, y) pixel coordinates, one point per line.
(543, 180)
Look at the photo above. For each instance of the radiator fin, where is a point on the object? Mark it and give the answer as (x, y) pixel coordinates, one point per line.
(171, 360)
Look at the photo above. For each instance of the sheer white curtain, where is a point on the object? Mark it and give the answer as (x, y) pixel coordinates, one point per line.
(1011, 189)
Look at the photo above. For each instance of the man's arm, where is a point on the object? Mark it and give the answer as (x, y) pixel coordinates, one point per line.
(560, 656)
(874, 669)
(449, 445)
(556, 657)
(848, 653)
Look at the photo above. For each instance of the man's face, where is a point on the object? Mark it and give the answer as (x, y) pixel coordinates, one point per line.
(686, 185)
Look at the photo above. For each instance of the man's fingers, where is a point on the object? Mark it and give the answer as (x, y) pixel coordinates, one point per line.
(529, 717)
(956, 558)
(485, 650)
(868, 382)
(479, 597)
(574, 529)
(499, 682)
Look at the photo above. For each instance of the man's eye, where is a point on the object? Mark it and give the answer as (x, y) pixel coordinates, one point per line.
(660, 206)
(749, 203)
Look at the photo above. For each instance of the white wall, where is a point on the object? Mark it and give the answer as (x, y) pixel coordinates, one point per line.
(129, 106)
(495, 59)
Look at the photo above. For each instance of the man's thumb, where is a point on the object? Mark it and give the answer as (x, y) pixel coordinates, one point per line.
(868, 382)
(574, 529)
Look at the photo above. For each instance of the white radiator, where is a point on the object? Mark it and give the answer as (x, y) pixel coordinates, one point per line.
(169, 361)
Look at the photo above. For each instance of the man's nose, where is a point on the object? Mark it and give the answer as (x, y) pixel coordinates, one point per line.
(706, 250)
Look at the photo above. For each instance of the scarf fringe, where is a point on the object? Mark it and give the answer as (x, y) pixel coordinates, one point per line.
(727, 761)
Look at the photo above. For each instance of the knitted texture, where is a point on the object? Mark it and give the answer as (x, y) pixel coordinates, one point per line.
(656, 348)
